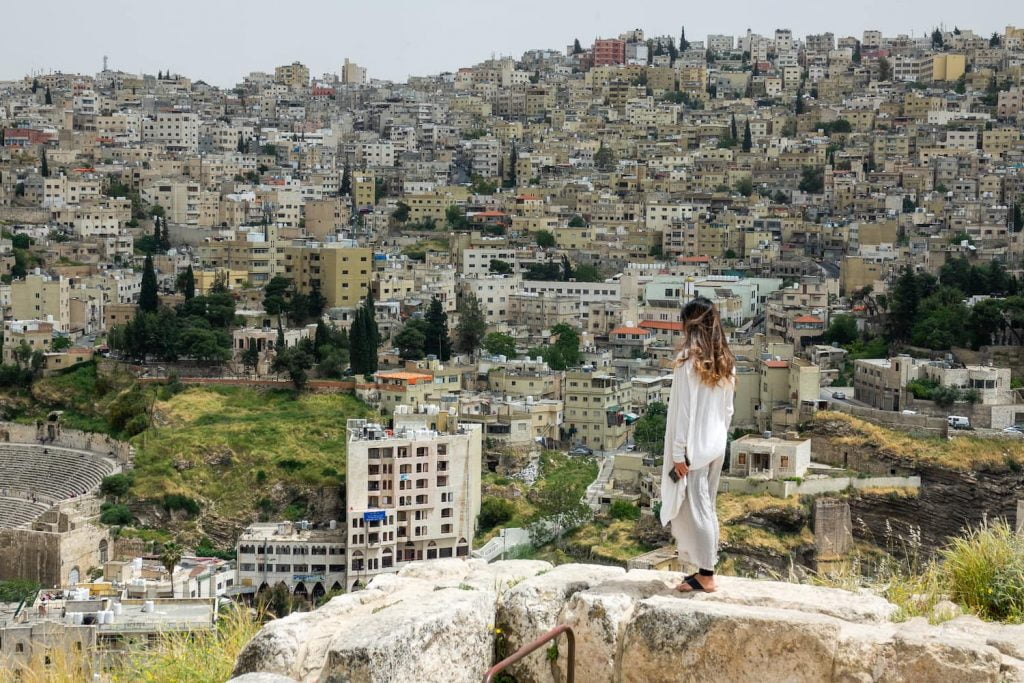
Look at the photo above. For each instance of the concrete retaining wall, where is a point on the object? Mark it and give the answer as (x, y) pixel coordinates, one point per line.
(783, 489)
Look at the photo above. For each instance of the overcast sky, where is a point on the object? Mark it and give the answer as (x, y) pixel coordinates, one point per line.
(222, 40)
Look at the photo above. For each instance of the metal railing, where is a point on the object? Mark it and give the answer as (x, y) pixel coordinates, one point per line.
(529, 648)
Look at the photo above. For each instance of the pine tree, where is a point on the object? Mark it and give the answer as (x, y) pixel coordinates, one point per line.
(44, 166)
(189, 285)
(49, 97)
(684, 44)
(747, 141)
(732, 129)
(1018, 220)
(35, 85)
(157, 235)
(149, 300)
(566, 269)
(438, 342)
(799, 109)
(576, 47)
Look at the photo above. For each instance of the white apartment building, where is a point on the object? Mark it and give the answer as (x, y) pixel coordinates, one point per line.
(177, 131)
(720, 43)
(477, 260)
(381, 154)
(492, 291)
(309, 561)
(411, 495)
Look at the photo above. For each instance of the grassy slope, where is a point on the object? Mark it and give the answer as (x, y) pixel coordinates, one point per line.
(212, 443)
(961, 453)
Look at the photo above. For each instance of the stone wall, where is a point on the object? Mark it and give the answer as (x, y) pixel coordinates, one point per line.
(120, 451)
(925, 424)
(449, 620)
(24, 214)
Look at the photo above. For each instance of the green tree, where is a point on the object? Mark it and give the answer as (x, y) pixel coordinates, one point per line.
(586, 273)
(604, 158)
(294, 361)
(186, 283)
(498, 344)
(544, 239)
(649, 430)
(937, 41)
(884, 69)
(149, 299)
(275, 295)
(564, 353)
(995, 40)
(500, 267)
(513, 159)
(841, 330)
(747, 139)
(905, 299)
(438, 343)
(812, 180)
(494, 512)
(412, 339)
(577, 49)
(401, 212)
(48, 99)
(250, 357)
(799, 106)
(745, 186)
(733, 131)
(44, 165)
(577, 222)
(1017, 220)
(472, 325)
(684, 44)
(345, 188)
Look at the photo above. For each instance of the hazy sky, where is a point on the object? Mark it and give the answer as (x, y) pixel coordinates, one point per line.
(222, 40)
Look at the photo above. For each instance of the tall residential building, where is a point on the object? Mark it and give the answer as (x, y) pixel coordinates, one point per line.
(41, 297)
(411, 495)
(309, 561)
(352, 73)
(596, 409)
(177, 131)
(341, 272)
(609, 51)
(294, 75)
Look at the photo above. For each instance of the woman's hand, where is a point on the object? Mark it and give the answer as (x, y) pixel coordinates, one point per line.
(681, 469)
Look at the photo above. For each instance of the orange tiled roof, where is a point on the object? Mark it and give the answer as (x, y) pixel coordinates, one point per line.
(411, 377)
(776, 364)
(662, 325)
(807, 319)
(630, 330)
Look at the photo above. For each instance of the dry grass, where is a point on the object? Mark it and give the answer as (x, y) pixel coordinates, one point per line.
(200, 657)
(962, 453)
(890, 491)
(612, 541)
(733, 506)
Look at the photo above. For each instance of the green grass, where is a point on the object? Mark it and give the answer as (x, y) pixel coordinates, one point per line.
(210, 443)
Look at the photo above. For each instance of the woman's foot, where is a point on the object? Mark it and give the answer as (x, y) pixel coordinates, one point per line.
(697, 583)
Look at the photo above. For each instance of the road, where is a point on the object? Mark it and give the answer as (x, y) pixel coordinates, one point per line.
(825, 394)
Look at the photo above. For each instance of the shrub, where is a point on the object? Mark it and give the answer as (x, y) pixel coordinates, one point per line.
(261, 476)
(176, 501)
(116, 485)
(986, 571)
(290, 464)
(623, 509)
(493, 512)
(16, 590)
(115, 514)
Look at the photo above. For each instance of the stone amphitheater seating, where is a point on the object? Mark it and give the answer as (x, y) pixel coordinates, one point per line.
(15, 512)
(49, 472)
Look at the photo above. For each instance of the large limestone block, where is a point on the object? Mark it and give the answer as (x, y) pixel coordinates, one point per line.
(855, 607)
(503, 575)
(532, 607)
(297, 644)
(438, 571)
(598, 618)
(445, 635)
(261, 678)
(675, 639)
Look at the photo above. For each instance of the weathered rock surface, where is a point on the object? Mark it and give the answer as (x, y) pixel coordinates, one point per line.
(444, 621)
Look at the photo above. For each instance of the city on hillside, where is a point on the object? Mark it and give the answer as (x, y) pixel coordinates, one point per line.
(303, 338)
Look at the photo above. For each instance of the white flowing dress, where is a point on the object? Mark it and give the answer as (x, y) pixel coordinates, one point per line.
(697, 424)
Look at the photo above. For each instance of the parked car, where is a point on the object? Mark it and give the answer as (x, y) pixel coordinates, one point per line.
(1013, 431)
(580, 450)
(959, 422)
(910, 412)
(839, 395)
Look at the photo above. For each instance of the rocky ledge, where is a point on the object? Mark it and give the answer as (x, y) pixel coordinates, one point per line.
(446, 620)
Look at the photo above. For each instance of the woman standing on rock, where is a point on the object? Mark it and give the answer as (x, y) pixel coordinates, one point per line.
(699, 412)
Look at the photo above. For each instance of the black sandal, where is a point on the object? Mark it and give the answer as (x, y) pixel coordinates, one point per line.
(693, 583)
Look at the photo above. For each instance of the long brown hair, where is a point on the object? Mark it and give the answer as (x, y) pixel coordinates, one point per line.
(704, 341)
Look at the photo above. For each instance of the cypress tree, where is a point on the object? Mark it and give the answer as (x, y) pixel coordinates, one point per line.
(44, 167)
(165, 238)
(189, 290)
(372, 334)
(49, 97)
(157, 237)
(438, 342)
(357, 343)
(747, 141)
(149, 301)
(732, 129)
(346, 183)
